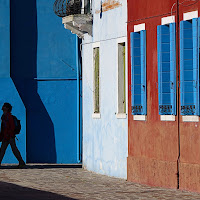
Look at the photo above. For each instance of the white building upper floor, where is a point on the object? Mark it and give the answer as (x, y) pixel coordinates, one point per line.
(102, 19)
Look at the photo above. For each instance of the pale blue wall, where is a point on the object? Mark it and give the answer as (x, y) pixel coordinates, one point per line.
(105, 140)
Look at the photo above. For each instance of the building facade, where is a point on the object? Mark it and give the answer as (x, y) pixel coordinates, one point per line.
(104, 62)
(103, 29)
(163, 73)
(39, 67)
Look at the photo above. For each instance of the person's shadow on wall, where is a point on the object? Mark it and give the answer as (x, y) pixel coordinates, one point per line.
(40, 134)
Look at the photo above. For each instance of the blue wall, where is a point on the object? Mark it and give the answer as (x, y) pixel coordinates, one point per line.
(43, 69)
(8, 92)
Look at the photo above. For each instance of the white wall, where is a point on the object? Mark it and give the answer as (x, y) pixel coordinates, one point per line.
(105, 140)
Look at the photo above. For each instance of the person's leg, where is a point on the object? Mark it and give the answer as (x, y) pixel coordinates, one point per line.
(4, 146)
(16, 151)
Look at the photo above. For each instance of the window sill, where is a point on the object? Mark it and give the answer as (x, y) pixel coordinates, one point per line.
(190, 118)
(96, 115)
(121, 115)
(139, 117)
(167, 118)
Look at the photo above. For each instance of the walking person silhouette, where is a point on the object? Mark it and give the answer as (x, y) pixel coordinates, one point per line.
(8, 134)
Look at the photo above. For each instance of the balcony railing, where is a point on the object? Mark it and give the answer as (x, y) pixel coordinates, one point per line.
(63, 8)
(76, 15)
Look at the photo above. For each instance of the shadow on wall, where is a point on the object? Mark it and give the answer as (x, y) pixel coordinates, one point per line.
(40, 129)
(11, 191)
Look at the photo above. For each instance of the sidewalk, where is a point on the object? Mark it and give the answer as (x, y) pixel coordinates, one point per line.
(52, 182)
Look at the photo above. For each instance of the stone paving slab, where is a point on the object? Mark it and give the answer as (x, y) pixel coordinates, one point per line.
(60, 182)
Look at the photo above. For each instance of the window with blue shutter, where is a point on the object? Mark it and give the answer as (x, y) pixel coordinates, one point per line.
(138, 64)
(189, 66)
(166, 40)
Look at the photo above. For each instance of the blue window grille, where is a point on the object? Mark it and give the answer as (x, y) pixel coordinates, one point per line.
(166, 41)
(138, 64)
(189, 66)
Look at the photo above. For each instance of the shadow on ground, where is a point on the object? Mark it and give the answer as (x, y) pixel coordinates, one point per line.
(9, 191)
(40, 166)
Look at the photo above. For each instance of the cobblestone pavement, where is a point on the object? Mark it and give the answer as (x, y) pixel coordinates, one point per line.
(44, 182)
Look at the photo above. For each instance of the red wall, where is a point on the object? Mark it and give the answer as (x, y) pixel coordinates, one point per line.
(189, 137)
(153, 145)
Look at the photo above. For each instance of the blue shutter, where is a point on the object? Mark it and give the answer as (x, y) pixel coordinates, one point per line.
(159, 44)
(198, 60)
(143, 72)
(163, 34)
(196, 64)
(135, 61)
(166, 49)
(172, 29)
(189, 67)
(132, 71)
(138, 77)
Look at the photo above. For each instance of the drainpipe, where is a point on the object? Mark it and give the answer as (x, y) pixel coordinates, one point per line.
(178, 93)
(78, 104)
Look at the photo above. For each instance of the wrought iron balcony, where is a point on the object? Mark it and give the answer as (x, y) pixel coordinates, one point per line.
(63, 8)
(76, 15)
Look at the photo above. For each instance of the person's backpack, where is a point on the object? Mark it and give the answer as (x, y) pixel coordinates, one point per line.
(17, 125)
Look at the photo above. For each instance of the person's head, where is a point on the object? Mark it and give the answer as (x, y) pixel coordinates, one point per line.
(6, 108)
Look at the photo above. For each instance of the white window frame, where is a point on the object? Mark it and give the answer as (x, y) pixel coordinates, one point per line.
(119, 41)
(96, 115)
(190, 15)
(139, 27)
(190, 118)
(168, 20)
